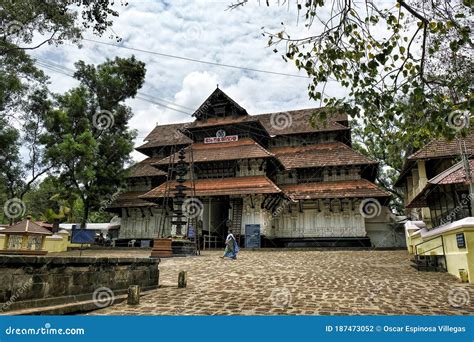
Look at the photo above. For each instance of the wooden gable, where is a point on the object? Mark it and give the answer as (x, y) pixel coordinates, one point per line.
(219, 105)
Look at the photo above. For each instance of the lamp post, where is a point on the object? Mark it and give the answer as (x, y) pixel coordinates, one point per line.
(179, 219)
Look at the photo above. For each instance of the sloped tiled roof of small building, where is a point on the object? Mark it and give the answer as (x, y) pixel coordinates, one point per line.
(26, 227)
(456, 174)
(442, 148)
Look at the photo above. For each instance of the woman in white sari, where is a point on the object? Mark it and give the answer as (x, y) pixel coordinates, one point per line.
(231, 247)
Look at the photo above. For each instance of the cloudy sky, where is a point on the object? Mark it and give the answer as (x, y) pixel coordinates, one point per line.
(203, 30)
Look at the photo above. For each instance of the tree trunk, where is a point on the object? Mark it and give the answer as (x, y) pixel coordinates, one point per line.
(85, 214)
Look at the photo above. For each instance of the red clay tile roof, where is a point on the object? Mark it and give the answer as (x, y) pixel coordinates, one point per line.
(130, 200)
(26, 227)
(442, 148)
(244, 148)
(324, 154)
(340, 189)
(144, 169)
(165, 135)
(221, 187)
(298, 121)
(454, 175)
(44, 224)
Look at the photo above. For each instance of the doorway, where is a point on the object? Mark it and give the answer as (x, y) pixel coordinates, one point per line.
(215, 217)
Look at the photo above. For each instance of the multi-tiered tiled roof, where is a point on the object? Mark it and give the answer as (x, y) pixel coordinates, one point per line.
(260, 130)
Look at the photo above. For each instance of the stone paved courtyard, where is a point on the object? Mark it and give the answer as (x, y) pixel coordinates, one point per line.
(290, 282)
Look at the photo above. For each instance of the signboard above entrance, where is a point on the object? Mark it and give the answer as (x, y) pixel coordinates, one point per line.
(220, 138)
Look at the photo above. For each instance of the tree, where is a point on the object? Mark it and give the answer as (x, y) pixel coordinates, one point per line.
(55, 21)
(87, 136)
(388, 60)
(23, 91)
(11, 172)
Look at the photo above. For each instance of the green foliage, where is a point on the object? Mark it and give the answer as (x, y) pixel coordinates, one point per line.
(56, 21)
(406, 69)
(409, 63)
(87, 136)
(11, 172)
(23, 92)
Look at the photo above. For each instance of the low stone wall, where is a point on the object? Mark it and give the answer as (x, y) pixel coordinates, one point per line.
(31, 281)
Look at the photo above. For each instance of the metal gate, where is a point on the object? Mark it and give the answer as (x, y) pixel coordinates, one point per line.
(252, 236)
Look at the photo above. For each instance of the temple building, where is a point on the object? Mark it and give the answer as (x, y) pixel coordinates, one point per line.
(274, 179)
(438, 182)
(424, 166)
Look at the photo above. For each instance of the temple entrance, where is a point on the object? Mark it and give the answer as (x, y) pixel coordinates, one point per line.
(215, 218)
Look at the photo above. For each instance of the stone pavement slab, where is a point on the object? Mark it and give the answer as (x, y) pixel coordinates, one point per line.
(289, 282)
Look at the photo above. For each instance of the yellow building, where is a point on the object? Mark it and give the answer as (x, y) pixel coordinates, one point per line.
(448, 243)
(25, 237)
(58, 242)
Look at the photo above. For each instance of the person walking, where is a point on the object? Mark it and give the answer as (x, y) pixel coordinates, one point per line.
(231, 247)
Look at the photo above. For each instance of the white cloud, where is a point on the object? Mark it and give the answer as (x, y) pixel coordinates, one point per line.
(202, 30)
(197, 86)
